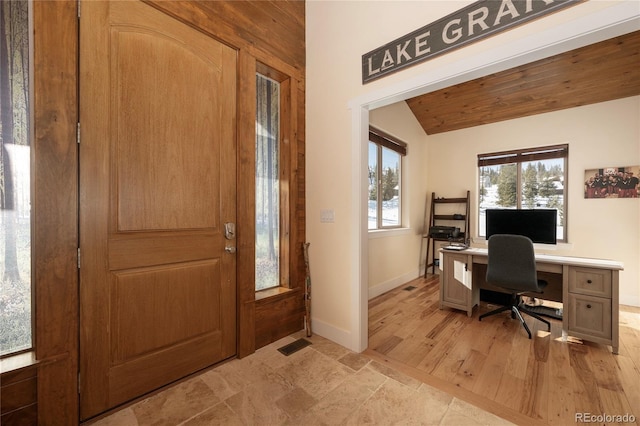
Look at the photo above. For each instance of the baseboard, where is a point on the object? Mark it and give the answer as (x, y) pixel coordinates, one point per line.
(386, 286)
(331, 332)
(630, 300)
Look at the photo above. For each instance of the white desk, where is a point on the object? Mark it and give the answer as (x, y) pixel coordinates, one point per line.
(587, 288)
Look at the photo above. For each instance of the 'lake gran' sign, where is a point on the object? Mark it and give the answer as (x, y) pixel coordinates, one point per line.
(476, 21)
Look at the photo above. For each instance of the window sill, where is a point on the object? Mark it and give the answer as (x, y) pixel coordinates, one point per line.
(272, 292)
(385, 233)
(17, 362)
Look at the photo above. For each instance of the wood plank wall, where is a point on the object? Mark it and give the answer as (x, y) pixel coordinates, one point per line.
(269, 32)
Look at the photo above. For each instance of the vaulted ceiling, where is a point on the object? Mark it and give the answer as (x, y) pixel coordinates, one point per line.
(596, 73)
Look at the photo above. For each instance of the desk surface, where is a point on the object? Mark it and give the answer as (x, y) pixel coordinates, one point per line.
(551, 258)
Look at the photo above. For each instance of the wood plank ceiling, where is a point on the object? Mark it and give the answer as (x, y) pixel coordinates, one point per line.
(596, 73)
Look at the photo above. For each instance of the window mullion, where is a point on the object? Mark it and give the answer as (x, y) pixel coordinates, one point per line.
(519, 185)
(379, 186)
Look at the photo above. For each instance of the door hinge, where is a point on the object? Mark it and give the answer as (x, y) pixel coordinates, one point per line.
(79, 383)
(78, 257)
(78, 9)
(78, 133)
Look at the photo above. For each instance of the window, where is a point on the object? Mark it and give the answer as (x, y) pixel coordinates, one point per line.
(267, 183)
(15, 186)
(524, 179)
(385, 180)
(275, 131)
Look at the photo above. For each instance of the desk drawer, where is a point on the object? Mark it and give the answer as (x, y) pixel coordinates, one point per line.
(590, 281)
(590, 315)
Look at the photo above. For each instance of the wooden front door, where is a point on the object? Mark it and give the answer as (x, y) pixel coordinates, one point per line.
(157, 186)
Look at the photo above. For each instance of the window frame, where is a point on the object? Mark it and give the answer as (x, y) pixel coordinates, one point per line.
(284, 176)
(384, 140)
(526, 155)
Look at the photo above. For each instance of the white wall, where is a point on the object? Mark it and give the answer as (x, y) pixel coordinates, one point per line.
(337, 34)
(395, 255)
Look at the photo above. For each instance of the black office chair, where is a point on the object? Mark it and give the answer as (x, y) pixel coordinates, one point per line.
(512, 266)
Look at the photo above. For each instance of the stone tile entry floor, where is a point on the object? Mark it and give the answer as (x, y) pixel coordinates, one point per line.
(321, 384)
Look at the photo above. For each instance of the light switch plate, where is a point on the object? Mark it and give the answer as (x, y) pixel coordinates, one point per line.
(327, 216)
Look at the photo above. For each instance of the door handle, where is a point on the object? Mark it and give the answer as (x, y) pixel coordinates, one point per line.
(230, 249)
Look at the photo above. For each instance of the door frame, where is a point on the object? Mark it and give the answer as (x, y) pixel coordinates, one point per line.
(55, 207)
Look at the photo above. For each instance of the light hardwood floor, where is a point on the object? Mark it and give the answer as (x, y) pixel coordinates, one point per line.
(493, 365)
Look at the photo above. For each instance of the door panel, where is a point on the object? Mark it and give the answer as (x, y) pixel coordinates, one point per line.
(157, 184)
(170, 154)
(168, 292)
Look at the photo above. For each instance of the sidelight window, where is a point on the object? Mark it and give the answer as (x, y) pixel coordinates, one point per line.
(15, 182)
(267, 183)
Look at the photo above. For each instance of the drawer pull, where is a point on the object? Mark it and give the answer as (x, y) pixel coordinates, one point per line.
(589, 306)
(589, 281)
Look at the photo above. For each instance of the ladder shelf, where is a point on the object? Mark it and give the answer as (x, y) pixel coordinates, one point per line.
(437, 219)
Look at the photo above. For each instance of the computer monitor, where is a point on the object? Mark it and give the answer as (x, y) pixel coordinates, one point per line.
(540, 225)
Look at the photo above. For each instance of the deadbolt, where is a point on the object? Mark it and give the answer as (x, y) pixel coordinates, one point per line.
(229, 230)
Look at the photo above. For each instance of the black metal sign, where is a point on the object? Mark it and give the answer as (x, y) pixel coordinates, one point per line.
(474, 22)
